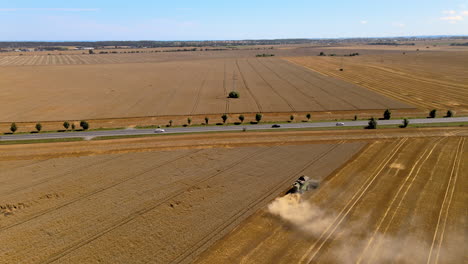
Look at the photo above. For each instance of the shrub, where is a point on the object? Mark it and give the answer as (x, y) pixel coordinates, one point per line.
(189, 120)
(206, 120)
(355, 117)
(308, 116)
(449, 113)
(258, 117)
(405, 123)
(13, 127)
(322, 54)
(224, 117)
(387, 114)
(170, 122)
(433, 113)
(73, 126)
(38, 127)
(241, 118)
(66, 125)
(234, 94)
(84, 125)
(372, 123)
(291, 118)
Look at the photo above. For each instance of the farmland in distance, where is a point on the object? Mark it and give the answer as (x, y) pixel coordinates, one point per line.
(190, 87)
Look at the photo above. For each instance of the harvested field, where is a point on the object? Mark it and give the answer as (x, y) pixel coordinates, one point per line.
(425, 79)
(400, 201)
(192, 87)
(140, 207)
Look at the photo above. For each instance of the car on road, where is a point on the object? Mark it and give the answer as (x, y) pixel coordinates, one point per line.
(276, 126)
(340, 124)
(159, 130)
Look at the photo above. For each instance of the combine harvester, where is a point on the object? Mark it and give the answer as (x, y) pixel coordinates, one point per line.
(303, 184)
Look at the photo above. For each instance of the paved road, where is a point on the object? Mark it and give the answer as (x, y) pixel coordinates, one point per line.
(200, 129)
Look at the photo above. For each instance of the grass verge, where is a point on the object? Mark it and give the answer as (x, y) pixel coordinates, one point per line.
(35, 141)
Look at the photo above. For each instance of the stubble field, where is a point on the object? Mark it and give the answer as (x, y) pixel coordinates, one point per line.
(401, 201)
(193, 87)
(426, 79)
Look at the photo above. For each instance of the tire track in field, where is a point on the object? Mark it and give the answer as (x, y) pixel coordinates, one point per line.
(67, 250)
(408, 182)
(271, 87)
(307, 71)
(453, 178)
(207, 238)
(344, 85)
(401, 90)
(308, 257)
(226, 109)
(294, 86)
(197, 97)
(259, 107)
(84, 196)
(60, 175)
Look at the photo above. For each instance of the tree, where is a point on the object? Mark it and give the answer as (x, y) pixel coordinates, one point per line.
(258, 117)
(291, 118)
(387, 114)
(13, 127)
(234, 94)
(449, 113)
(224, 117)
(322, 53)
(241, 118)
(206, 120)
(170, 122)
(66, 125)
(355, 117)
(38, 127)
(84, 125)
(73, 126)
(372, 123)
(308, 116)
(189, 120)
(433, 113)
(405, 123)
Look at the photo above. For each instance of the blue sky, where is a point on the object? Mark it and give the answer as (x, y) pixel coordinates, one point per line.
(217, 20)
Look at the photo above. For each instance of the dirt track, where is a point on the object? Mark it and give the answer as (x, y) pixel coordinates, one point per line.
(398, 202)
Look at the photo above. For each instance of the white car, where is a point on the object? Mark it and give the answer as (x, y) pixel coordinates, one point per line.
(339, 124)
(159, 130)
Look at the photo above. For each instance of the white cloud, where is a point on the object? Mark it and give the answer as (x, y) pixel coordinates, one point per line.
(50, 9)
(449, 12)
(452, 18)
(464, 13)
(364, 22)
(400, 25)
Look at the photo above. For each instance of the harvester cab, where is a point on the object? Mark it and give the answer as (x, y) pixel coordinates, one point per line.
(303, 184)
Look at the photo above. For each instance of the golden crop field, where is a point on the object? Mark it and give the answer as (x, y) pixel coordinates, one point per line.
(189, 87)
(155, 206)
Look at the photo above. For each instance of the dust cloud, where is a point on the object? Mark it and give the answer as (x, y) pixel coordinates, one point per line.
(300, 213)
(312, 221)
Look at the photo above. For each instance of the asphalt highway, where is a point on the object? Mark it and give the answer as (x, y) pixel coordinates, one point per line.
(201, 129)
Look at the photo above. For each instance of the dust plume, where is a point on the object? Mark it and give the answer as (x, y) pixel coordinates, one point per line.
(300, 213)
(352, 243)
